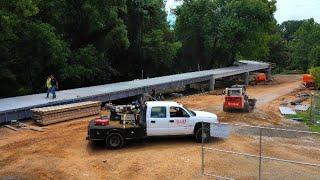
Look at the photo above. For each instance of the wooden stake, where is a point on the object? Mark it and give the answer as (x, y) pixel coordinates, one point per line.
(10, 127)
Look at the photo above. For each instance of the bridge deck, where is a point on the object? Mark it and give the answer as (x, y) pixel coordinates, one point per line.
(19, 107)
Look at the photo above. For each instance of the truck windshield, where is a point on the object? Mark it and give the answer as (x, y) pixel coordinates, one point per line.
(190, 111)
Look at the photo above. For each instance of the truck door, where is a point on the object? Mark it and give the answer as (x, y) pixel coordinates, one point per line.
(180, 121)
(157, 121)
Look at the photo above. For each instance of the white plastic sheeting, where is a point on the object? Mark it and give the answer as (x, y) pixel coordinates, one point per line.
(220, 130)
(302, 107)
(287, 111)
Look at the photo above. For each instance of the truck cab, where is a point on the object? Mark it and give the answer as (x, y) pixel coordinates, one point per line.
(154, 118)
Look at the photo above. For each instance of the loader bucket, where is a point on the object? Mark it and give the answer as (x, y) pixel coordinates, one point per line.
(252, 102)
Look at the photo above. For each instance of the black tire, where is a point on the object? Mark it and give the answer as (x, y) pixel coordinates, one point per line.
(225, 109)
(246, 107)
(206, 134)
(114, 140)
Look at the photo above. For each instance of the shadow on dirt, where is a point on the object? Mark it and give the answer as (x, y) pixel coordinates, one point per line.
(167, 141)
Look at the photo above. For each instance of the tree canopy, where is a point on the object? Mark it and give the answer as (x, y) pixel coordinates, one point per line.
(305, 46)
(215, 32)
(288, 28)
(91, 42)
(82, 42)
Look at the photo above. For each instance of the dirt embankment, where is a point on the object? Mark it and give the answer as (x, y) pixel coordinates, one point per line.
(268, 99)
(61, 152)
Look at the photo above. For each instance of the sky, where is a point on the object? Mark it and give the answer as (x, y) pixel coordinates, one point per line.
(297, 10)
(172, 4)
(286, 10)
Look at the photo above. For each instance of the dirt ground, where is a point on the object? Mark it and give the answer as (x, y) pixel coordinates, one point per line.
(61, 152)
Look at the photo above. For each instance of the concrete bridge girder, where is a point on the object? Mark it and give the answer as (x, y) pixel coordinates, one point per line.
(19, 107)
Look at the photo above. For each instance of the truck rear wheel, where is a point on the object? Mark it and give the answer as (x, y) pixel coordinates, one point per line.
(206, 135)
(114, 140)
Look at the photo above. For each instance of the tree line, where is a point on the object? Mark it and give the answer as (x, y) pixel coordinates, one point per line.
(91, 42)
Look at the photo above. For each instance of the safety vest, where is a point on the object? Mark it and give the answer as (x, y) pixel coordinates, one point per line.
(49, 83)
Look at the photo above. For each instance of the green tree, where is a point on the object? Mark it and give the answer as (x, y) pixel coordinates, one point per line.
(215, 32)
(95, 31)
(278, 50)
(288, 28)
(314, 56)
(315, 72)
(82, 42)
(88, 67)
(304, 48)
(152, 45)
(28, 49)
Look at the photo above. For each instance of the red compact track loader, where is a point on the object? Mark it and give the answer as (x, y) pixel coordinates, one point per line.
(236, 98)
(308, 81)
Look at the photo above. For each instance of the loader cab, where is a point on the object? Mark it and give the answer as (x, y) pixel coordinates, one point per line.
(234, 92)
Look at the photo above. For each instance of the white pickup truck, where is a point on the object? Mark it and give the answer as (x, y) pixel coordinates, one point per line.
(155, 118)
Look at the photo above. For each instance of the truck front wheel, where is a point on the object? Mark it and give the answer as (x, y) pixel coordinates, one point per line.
(114, 140)
(205, 135)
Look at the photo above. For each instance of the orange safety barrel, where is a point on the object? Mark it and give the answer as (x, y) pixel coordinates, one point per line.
(261, 77)
(307, 78)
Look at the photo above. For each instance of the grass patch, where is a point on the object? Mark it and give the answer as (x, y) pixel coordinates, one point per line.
(305, 116)
(314, 128)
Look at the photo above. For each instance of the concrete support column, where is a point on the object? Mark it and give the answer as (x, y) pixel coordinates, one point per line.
(212, 83)
(187, 87)
(269, 76)
(246, 78)
(143, 98)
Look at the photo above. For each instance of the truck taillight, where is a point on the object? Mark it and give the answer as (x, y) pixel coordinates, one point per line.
(101, 122)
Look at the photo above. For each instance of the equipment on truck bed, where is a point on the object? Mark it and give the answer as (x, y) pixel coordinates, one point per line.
(125, 113)
(236, 98)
